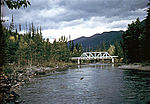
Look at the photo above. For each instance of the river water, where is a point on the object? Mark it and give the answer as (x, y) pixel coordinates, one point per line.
(89, 84)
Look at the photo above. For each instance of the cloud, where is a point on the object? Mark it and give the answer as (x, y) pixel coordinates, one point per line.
(79, 17)
(87, 28)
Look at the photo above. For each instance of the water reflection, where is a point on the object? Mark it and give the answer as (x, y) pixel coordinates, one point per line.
(137, 86)
(101, 84)
(99, 66)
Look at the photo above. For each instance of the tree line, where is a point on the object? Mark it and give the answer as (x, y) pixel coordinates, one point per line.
(11, 4)
(136, 40)
(31, 49)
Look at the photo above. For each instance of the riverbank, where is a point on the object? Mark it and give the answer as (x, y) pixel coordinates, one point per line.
(135, 67)
(14, 77)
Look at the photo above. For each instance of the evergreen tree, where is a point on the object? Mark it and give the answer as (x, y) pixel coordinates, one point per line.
(75, 52)
(147, 35)
(80, 49)
(12, 24)
(33, 31)
(72, 46)
(30, 32)
(40, 31)
(131, 42)
(118, 50)
(19, 27)
(11, 4)
(3, 45)
(47, 49)
(103, 46)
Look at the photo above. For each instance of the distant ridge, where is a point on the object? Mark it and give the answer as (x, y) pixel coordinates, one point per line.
(97, 40)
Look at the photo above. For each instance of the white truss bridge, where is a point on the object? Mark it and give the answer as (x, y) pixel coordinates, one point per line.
(94, 55)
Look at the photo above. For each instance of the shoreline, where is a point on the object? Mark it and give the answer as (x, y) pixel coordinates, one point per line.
(134, 67)
(10, 84)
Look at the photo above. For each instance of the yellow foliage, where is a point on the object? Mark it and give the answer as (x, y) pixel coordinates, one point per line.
(111, 50)
(12, 38)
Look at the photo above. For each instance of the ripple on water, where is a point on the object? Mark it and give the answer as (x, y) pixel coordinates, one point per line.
(101, 84)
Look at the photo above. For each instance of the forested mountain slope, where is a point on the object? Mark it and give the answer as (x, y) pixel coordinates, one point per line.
(98, 40)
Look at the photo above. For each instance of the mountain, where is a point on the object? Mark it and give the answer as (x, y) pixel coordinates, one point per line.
(97, 40)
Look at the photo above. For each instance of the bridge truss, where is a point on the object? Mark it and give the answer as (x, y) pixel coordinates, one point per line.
(94, 55)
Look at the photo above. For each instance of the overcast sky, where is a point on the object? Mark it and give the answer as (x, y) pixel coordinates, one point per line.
(79, 17)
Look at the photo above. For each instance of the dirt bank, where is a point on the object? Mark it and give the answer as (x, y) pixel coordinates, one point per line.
(135, 67)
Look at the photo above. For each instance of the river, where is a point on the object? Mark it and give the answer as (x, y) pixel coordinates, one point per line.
(89, 84)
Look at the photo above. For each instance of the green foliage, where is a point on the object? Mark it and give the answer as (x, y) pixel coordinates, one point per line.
(11, 4)
(132, 42)
(103, 46)
(146, 36)
(15, 4)
(60, 50)
(31, 49)
(136, 40)
(8, 70)
(145, 64)
(75, 50)
(118, 50)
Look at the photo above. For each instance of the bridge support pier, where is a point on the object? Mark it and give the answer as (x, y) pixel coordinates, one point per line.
(79, 61)
(113, 60)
